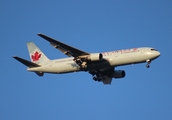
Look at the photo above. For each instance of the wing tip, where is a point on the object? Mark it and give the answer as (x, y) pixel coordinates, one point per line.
(39, 34)
(14, 56)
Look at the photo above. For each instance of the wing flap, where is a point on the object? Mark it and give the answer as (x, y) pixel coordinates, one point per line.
(106, 80)
(62, 49)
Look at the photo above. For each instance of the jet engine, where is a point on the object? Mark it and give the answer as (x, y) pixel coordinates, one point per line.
(95, 57)
(119, 74)
(92, 57)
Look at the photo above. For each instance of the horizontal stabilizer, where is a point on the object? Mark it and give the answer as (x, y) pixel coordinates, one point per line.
(26, 62)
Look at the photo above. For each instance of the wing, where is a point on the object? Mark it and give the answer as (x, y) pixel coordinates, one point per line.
(64, 48)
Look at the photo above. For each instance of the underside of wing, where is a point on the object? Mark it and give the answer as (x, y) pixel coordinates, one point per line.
(64, 48)
(104, 75)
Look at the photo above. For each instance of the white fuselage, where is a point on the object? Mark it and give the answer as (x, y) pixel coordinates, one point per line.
(114, 58)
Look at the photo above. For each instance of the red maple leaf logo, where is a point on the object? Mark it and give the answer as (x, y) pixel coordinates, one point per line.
(36, 56)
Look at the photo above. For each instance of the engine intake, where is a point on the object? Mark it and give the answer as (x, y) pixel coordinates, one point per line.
(119, 74)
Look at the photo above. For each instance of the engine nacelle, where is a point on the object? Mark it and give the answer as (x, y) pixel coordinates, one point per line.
(95, 57)
(119, 74)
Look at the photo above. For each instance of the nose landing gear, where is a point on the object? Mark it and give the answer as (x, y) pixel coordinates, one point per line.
(148, 63)
(148, 66)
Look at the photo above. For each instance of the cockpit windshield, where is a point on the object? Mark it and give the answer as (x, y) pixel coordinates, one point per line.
(154, 50)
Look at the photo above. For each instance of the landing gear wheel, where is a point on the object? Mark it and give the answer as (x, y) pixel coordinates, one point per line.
(99, 80)
(148, 66)
(94, 78)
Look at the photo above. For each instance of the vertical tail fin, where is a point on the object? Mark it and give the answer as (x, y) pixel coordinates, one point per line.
(36, 55)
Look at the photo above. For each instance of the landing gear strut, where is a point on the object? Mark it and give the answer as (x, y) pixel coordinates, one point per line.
(148, 63)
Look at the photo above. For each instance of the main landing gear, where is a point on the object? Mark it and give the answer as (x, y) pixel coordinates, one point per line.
(148, 63)
(96, 76)
(97, 79)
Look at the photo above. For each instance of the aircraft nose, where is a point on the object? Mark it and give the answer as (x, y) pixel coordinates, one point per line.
(158, 53)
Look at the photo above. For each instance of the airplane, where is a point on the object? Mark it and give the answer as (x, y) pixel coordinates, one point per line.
(100, 65)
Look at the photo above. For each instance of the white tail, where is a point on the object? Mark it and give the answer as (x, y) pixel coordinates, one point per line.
(36, 55)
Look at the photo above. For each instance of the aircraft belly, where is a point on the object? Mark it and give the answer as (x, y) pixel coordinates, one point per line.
(68, 67)
(57, 68)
